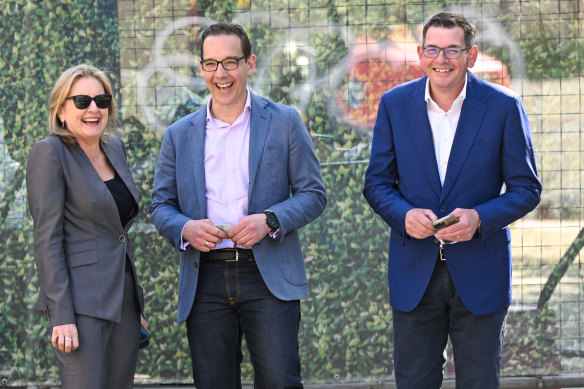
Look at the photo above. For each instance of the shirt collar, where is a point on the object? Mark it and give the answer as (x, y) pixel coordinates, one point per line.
(246, 108)
(458, 100)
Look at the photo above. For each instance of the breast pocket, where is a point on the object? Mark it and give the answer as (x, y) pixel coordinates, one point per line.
(81, 253)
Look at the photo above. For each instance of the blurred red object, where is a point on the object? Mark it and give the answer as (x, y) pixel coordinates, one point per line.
(377, 66)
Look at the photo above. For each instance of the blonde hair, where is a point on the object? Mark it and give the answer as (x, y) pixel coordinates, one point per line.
(61, 91)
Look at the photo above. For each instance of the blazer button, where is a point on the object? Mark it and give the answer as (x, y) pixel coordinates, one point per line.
(122, 238)
(436, 242)
(443, 208)
(196, 264)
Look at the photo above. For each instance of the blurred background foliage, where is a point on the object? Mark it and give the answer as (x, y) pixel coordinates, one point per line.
(346, 332)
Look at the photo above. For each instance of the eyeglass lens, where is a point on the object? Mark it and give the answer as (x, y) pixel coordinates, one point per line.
(84, 101)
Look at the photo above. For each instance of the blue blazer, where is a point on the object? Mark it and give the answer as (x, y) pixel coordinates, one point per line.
(492, 147)
(284, 177)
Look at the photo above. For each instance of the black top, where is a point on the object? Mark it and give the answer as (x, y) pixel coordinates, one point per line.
(125, 201)
(123, 198)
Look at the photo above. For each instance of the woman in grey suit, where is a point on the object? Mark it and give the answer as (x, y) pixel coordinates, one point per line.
(83, 201)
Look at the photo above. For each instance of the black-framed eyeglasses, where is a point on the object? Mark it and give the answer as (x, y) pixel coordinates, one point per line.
(449, 52)
(84, 101)
(210, 65)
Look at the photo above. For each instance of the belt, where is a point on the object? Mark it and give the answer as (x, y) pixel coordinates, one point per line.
(228, 255)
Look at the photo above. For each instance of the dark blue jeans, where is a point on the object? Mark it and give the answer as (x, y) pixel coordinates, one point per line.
(233, 301)
(420, 338)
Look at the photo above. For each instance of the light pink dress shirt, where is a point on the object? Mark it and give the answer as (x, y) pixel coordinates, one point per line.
(227, 169)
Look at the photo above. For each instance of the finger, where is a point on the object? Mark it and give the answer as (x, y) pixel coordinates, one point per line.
(244, 241)
(210, 244)
(68, 344)
(215, 238)
(251, 242)
(203, 246)
(240, 238)
(218, 234)
(235, 231)
(61, 343)
(75, 343)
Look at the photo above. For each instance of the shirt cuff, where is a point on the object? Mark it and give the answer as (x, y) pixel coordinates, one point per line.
(183, 245)
(276, 234)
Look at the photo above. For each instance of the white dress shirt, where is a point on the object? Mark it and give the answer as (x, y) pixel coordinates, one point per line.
(443, 126)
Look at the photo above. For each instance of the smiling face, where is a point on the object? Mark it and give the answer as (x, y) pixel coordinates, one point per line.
(446, 75)
(88, 124)
(227, 87)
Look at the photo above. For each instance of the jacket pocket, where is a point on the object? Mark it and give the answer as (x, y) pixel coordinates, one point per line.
(81, 253)
(498, 238)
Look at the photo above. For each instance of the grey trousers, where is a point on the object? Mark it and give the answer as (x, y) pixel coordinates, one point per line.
(108, 351)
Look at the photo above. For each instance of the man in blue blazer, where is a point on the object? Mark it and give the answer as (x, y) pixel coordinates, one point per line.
(450, 143)
(235, 182)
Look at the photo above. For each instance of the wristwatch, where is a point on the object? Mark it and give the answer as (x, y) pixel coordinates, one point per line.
(272, 220)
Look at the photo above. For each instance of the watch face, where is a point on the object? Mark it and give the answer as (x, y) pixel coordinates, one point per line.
(272, 221)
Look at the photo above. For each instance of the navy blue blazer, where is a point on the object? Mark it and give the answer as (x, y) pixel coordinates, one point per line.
(492, 148)
(284, 177)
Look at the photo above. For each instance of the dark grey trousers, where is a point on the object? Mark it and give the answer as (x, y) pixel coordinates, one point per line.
(108, 351)
(420, 339)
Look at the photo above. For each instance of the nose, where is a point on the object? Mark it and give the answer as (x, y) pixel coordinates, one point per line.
(441, 56)
(92, 106)
(221, 71)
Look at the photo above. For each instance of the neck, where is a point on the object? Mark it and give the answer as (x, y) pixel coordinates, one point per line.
(92, 150)
(445, 98)
(227, 114)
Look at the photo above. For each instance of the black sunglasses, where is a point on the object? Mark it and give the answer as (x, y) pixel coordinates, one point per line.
(84, 101)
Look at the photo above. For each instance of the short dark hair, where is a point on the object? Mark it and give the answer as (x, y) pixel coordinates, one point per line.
(452, 20)
(227, 29)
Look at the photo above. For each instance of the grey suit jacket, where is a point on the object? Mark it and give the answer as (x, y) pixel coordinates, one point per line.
(284, 177)
(80, 244)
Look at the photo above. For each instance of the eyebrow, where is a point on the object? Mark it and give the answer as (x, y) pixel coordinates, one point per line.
(447, 47)
(216, 60)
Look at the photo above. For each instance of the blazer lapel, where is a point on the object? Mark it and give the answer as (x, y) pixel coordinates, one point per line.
(260, 120)
(471, 117)
(422, 134)
(196, 146)
(94, 181)
(120, 164)
(118, 160)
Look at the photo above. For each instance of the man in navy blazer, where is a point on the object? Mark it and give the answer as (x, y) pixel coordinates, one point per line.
(235, 182)
(450, 143)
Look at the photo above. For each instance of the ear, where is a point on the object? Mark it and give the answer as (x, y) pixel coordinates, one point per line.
(61, 115)
(420, 52)
(251, 64)
(472, 56)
